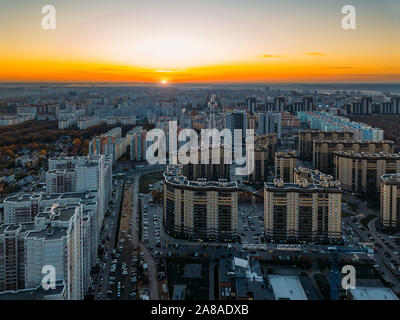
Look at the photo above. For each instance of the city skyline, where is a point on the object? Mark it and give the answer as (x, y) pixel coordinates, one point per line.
(181, 42)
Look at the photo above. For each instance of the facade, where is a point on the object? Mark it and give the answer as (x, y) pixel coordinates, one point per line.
(326, 121)
(306, 140)
(251, 105)
(323, 151)
(367, 106)
(360, 173)
(269, 122)
(41, 111)
(86, 122)
(110, 143)
(236, 120)
(264, 152)
(93, 172)
(59, 241)
(201, 209)
(61, 180)
(302, 211)
(63, 235)
(390, 200)
(12, 256)
(215, 169)
(137, 140)
(285, 162)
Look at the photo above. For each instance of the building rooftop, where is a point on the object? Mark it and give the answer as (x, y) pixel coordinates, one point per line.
(371, 293)
(174, 176)
(366, 155)
(243, 277)
(287, 287)
(303, 185)
(391, 178)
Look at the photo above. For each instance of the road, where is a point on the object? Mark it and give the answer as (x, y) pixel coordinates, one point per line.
(153, 279)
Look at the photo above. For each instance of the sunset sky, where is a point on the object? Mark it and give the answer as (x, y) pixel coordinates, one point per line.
(200, 41)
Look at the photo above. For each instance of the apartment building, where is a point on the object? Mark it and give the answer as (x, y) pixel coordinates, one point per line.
(212, 164)
(137, 140)
(360, 173)
(302, 211)
(390, 200)
(285, 162)
(12, 255)
(59, 241)
(93, 172)
(61, 180)
(199, 209)
(323, 151)
(264, 153)
(63, 235)
(306, 140)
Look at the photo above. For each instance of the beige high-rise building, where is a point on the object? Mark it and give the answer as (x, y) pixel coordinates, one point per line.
(285, 162)
(307, 137)
(264, 153)
(323, 151)
(360, 173)
(199, 209)
(302, 211)
(390, 200)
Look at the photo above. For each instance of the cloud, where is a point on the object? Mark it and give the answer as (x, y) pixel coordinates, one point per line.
(271, 56)
(315, 54)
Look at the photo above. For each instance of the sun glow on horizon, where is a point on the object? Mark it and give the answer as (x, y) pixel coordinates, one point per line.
(187, 41)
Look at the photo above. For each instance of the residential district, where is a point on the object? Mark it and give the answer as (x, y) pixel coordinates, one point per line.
(79, 198)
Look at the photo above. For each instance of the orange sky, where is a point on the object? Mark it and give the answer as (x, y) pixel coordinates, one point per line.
(184, 41)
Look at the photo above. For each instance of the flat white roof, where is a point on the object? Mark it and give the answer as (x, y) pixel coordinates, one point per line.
(287, 287)
(241, 263)
(371, 293)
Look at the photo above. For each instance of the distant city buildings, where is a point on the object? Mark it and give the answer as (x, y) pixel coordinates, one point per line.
(307, 137)
(41, 111)
(325, 121)
(323, 151)
(269, 122)
(367, 105)
(110, 143)
(236, 120)
(87, 122)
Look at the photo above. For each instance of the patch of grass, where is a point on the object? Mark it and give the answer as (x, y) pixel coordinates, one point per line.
(366, 220)
(149, 179)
